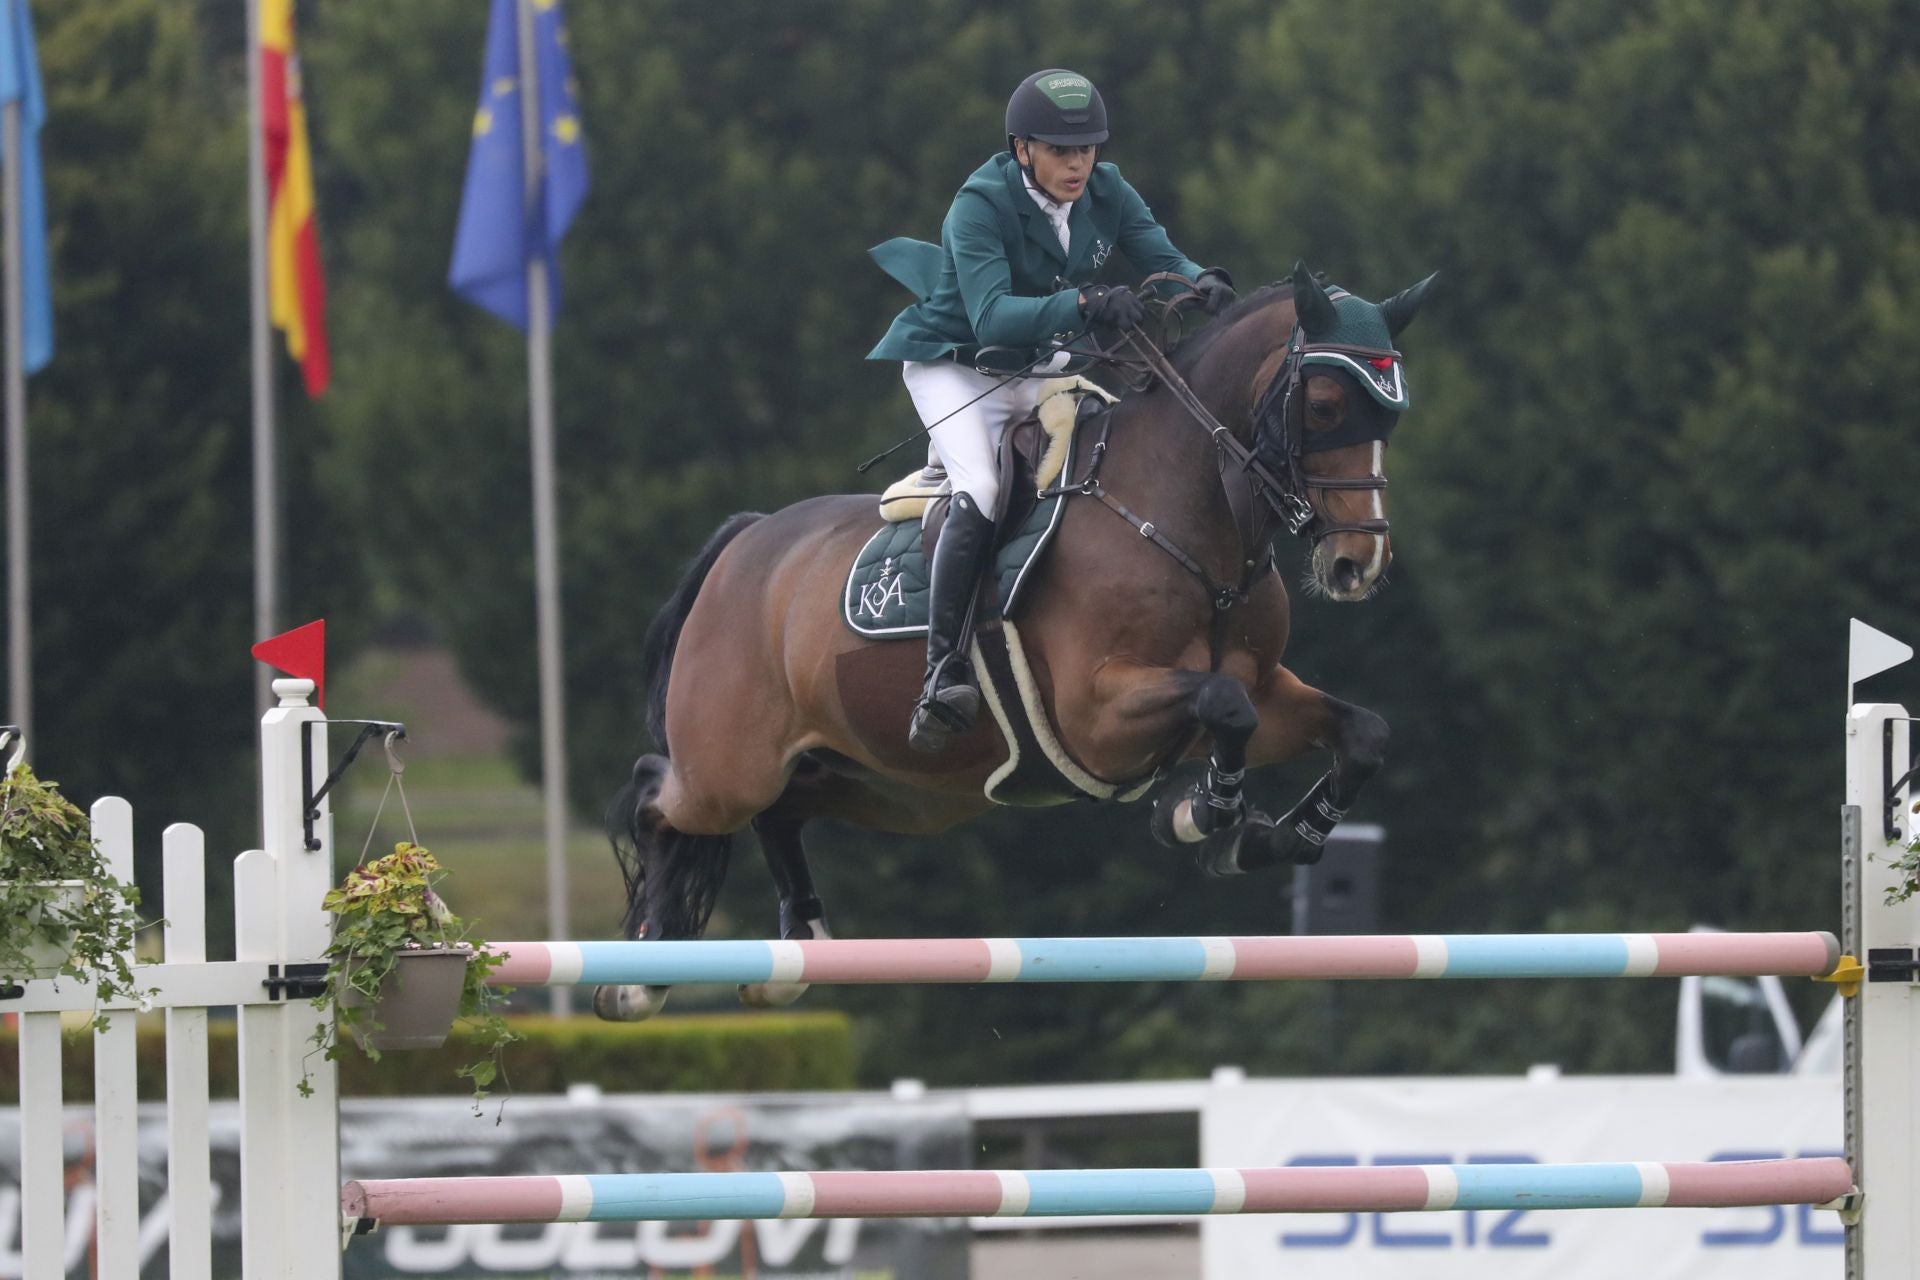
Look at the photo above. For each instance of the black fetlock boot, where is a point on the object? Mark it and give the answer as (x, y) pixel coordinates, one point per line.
(949, 702)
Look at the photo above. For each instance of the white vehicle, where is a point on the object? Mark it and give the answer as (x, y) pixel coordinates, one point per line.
(1746, 1026)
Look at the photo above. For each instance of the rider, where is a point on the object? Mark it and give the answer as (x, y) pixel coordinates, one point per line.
(1019, 246)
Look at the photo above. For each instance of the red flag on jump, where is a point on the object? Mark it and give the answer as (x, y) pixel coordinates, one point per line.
(300, 653)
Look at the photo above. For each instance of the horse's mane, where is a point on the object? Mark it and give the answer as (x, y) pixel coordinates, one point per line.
(1188, 354)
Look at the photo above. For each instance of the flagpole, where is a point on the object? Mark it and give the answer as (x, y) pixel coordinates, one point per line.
(19, 592)
(266, 516)
(546, 537)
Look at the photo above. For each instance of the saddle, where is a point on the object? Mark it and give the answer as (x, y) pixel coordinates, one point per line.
(886, 591)
(1035, 448)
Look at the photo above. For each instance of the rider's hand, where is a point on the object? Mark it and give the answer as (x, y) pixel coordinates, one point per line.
(1111, 306)
(1215, 288)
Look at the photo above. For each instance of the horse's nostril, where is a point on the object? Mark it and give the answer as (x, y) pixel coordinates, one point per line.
(1346, 573)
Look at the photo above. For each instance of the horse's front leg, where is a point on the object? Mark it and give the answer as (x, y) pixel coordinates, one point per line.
(1212, 803)
(1296, 718)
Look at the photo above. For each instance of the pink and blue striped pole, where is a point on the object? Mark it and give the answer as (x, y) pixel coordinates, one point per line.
(632, 1197)
(969, 960)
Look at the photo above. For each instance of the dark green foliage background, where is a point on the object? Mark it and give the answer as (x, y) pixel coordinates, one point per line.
(1660, 449)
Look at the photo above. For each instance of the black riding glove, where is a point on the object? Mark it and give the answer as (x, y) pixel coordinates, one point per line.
(1215, 288)
(1111, 307)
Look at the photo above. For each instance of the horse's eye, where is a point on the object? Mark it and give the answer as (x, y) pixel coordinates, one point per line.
(1323, 408)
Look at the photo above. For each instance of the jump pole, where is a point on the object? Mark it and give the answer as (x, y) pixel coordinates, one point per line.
(629, 1197)
(972, 960)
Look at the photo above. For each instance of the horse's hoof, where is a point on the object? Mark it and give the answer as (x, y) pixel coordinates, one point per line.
(771, 995)
(1227, 853)
(629, 1003)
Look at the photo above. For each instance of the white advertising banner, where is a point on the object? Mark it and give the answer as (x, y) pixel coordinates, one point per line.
(1263, 1123)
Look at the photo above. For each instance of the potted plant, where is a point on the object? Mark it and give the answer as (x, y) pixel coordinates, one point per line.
(1908, 863)
(62, 913)
(402, 967)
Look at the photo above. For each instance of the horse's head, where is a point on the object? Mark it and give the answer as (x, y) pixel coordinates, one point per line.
(1322, 423)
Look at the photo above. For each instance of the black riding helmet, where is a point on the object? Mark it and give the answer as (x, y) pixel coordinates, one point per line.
(1057, 106)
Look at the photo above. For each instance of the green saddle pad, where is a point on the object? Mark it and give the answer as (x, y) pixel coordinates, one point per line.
(886, 593)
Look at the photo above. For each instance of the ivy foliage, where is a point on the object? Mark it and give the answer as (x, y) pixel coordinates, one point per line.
(385, 911)
(60, 904)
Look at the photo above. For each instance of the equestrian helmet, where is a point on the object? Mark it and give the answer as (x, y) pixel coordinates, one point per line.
(1057, 106)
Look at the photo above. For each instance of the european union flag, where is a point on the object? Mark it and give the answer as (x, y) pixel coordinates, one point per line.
(502, 224)
(20, 83)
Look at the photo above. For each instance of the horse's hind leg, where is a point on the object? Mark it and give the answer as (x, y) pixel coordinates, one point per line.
(672, 879)
(801, 912)
(1294, 718)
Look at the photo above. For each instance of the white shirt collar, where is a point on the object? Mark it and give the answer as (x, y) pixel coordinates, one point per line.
(1057, 213)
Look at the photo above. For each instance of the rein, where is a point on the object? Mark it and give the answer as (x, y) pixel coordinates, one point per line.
(1287, 495)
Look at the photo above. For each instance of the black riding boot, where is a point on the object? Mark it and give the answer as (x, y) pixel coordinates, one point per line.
(949, 702)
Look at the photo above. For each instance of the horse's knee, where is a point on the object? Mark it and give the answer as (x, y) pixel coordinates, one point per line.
(1223, 705)
(1363, 741)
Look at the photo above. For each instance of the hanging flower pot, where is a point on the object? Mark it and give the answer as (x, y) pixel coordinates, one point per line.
(48, 941)
(61, 910)
(418, 999)
(402, 967)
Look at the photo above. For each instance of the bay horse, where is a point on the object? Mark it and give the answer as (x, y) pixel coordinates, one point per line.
(1157, 637)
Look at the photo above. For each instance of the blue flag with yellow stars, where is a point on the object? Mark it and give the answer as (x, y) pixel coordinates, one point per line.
(503, 223)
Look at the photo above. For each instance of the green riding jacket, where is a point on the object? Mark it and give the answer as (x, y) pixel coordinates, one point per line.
(998, 277)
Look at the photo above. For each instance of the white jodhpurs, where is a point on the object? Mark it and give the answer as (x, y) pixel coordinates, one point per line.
(969, 440)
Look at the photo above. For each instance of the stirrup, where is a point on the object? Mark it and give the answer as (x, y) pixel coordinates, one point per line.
(940, 714)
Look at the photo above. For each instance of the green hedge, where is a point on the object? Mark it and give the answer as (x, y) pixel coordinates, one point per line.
(723, 1053)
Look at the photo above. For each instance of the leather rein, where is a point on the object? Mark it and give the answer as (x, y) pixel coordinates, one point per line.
(1287, 495)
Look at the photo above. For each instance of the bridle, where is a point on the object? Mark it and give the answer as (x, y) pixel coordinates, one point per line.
(1283, 405)
(1278, 430)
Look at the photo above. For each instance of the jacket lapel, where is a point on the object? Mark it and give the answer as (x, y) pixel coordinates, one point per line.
(1089, 247)
(1039, 230)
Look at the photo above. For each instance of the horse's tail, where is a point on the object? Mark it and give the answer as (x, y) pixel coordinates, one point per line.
(672, 878)
(663, 633)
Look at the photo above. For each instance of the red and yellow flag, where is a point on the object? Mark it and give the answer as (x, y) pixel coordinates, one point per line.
(296, 292)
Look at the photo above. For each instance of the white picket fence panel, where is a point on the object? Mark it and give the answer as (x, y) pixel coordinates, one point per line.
(290, 1223)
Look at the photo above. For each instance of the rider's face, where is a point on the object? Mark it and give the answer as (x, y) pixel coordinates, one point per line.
(1061, 172)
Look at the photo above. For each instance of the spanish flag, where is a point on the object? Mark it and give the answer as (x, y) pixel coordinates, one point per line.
(297, 294)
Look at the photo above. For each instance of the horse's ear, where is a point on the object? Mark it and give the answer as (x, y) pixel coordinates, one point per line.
(1310, 302)
(1400, 309)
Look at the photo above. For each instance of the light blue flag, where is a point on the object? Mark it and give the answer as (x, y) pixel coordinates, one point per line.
(20, 82)
(500, 228)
